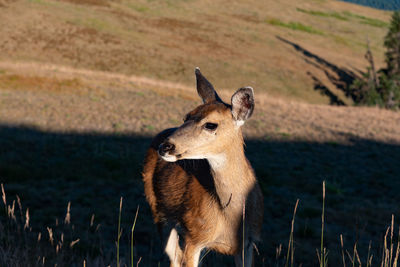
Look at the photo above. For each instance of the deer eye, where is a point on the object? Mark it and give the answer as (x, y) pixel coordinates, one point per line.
(210, 126)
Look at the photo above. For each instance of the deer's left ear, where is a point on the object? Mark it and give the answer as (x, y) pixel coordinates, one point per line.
(242, 104)
(205, 89)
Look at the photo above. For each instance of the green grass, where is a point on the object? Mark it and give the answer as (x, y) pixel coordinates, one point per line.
(345, 16)
(297, 26)
(93, 23)
(340, 40)
(335, 15)
(150, 127)
(375, 22)
(366, 20)
(140, 9)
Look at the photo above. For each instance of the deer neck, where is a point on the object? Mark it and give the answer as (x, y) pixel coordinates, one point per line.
(233, 176)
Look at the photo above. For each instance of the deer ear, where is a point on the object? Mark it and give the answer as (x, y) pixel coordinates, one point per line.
(205, 89)
(242, 104)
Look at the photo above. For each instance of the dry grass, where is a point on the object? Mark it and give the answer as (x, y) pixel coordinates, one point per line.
(84, 87)
(89, 2)
(18, 82)
(60, 244)
(133, 102)
(72, 145)
(165, 40)
(57, 244)
(389, 257)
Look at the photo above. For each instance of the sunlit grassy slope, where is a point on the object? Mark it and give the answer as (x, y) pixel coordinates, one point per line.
(303, 50)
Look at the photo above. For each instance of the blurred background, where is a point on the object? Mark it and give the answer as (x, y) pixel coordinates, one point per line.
(86, 84)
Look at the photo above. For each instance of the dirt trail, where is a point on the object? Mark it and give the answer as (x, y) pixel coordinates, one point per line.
(45, 68)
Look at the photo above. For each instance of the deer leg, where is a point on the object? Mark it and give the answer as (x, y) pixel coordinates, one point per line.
(248, 256)
(192, 255)
(173, 249)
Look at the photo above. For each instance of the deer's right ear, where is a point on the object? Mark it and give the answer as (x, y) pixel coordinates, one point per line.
(205, 89)
(242, 105)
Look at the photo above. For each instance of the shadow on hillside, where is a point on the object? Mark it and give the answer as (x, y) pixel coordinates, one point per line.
(342, 78)
(93, 170)
(319, 86)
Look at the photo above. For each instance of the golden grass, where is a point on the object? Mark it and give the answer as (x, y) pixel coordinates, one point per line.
(390, 248)
(166, 40)
(24, 244)
(89, 2)
(297, 121)
(35, 83)
(290, 250)
(63, 246)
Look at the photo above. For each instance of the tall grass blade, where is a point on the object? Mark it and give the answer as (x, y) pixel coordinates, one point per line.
(369, 255)
(133, 228)
(341, 244)
(350, 258)
(357, 257)
(290, 251)
(384, 253)
(205, 254)
(3, 195)
(119, 230)
(391, 241)
(396, 258)
(323, 252)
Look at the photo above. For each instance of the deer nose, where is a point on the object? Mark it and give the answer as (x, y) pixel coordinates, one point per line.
(166, 147)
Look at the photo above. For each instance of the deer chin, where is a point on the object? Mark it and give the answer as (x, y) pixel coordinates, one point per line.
(169, 158)
(181, 156)
(188, 155)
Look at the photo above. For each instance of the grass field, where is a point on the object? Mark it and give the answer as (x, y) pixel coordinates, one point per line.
(85, 141)
(84, 85)
(240, 44)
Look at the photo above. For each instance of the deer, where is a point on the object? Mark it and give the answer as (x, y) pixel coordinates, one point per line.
(202, 190)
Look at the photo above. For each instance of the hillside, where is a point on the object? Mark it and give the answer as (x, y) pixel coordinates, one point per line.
(77, 135)
(84, 85)
(381, 4)
(308, 51)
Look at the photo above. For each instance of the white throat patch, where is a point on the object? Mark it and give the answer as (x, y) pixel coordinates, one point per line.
(239, 123)
(169, 158)
(217, 161)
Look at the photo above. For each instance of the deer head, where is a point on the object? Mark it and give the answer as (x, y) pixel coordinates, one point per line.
(212, 128)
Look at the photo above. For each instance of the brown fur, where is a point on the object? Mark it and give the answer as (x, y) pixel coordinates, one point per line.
(203, 183)
(186, 192)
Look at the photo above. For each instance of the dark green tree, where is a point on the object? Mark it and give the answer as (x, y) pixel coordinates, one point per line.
(392, 44)
(382, 88)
